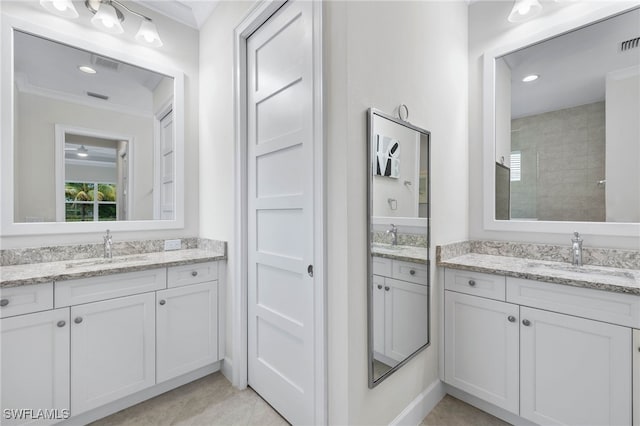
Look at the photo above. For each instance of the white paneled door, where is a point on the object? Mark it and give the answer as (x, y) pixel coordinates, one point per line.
(280, 172)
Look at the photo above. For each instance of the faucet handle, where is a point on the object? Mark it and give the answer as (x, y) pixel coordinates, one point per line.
(576, 237)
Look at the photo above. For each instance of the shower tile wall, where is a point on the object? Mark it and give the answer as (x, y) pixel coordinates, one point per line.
(562, 160)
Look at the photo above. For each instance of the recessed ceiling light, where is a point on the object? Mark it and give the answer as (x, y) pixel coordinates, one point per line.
(87, 69)
(530, 78)
(83, 151)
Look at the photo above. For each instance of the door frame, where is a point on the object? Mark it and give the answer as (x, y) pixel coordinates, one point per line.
(256, 17)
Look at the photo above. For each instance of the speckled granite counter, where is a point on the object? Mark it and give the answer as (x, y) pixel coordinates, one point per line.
(400, 252)
(616, 279)
(34, 273)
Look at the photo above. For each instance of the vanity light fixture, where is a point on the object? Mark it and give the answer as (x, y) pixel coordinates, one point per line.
(524, 10)
(86, 69)
(64, 8)
(530, 78)
(82, 151)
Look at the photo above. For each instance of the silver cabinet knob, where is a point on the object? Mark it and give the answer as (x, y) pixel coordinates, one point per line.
(78, 320)
(526, 322)
(4, 302)
(194, 273)
(162, 302)
(61, 323)
(379, 286)
(386, 287)
(511, 318)
(472, 283)
(412, 272)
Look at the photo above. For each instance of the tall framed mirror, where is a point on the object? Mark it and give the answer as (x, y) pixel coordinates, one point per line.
(398, 287)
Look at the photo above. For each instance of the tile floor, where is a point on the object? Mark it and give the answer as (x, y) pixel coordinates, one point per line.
(213, 401)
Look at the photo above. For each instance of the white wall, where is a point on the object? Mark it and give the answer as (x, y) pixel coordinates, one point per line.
(180, 51)
(623, 146)
(489, 30)
(382, 54)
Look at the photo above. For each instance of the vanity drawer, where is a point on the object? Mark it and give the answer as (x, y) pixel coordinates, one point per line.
(615, 308)
(25, 299)
(85, 290)
(195, 273)
(408, 271)
(475, 283)
(381, 266)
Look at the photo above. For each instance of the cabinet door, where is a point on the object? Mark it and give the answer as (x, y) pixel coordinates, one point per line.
(406, 318)
(636, 377)
(187, 329)
(481, 348)
(35, 364)
(574, 371)
(378, 314)
(112, 350)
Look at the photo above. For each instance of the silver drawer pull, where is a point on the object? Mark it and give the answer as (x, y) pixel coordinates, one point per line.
(412, 272)
(526, 322)
(194, 273)
(162, 302)
(379, 286)
(4, 302)
(61, 323)
(511, 318)
(472, 283)
(78, 320)
(386, 288)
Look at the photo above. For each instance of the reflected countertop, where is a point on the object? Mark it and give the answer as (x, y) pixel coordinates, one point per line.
(618, 280)
(34, 273)
(399, 252)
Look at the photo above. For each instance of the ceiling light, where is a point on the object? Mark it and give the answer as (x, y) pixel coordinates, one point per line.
(530, 78)
(148, 34)
(86, 69)
(82, 151)
(62, 8)
(107, 19)
(524, 10)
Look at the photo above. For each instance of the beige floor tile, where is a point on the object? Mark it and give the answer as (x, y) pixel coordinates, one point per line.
(453, 412)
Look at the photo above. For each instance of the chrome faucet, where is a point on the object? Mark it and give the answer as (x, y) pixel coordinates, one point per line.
(393, 231)
(108, 245)
(576, 249)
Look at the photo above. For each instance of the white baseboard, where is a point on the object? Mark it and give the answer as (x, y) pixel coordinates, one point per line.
(126, 402)
(417, 410)
(227, 369)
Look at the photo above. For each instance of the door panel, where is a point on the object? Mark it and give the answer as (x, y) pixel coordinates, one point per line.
(280, 204)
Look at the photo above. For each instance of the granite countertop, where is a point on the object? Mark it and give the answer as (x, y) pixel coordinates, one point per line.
(618, 280)
(34, 273)
(398, 252)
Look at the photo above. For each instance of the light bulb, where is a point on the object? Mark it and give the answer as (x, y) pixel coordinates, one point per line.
(60, 5)
(524, 9)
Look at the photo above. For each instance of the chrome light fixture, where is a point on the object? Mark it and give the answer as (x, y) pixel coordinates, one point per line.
(107, 17)
(524, 10)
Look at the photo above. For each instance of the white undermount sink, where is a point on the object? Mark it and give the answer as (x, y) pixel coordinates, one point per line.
(588, 270)
(103, 261)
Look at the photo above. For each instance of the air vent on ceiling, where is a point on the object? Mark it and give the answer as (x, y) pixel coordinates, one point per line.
(98, 95)
(630, 44)
(105, 62)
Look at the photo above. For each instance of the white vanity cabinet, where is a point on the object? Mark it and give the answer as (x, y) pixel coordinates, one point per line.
(547, 367)
(400, 309)
(636, 377)
(112, 350)
(187, 329)
(35, 364)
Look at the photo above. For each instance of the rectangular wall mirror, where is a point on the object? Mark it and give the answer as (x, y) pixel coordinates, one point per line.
(566, 126)
(94, 138)
(398, 243)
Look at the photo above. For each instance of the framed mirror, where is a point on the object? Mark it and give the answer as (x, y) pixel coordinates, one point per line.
(561, 129)
(398, 288)
(93, 140)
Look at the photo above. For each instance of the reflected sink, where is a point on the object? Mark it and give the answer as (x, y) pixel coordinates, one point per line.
(587, 270)
(389, 247)
(105, 261)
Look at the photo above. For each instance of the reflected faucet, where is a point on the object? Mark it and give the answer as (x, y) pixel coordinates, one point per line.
(576, 250)
(393, 231)
(108, 245)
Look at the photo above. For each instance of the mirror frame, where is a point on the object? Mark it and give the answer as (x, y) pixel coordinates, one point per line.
(371, 112)
(489, 130)
(8, 227)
